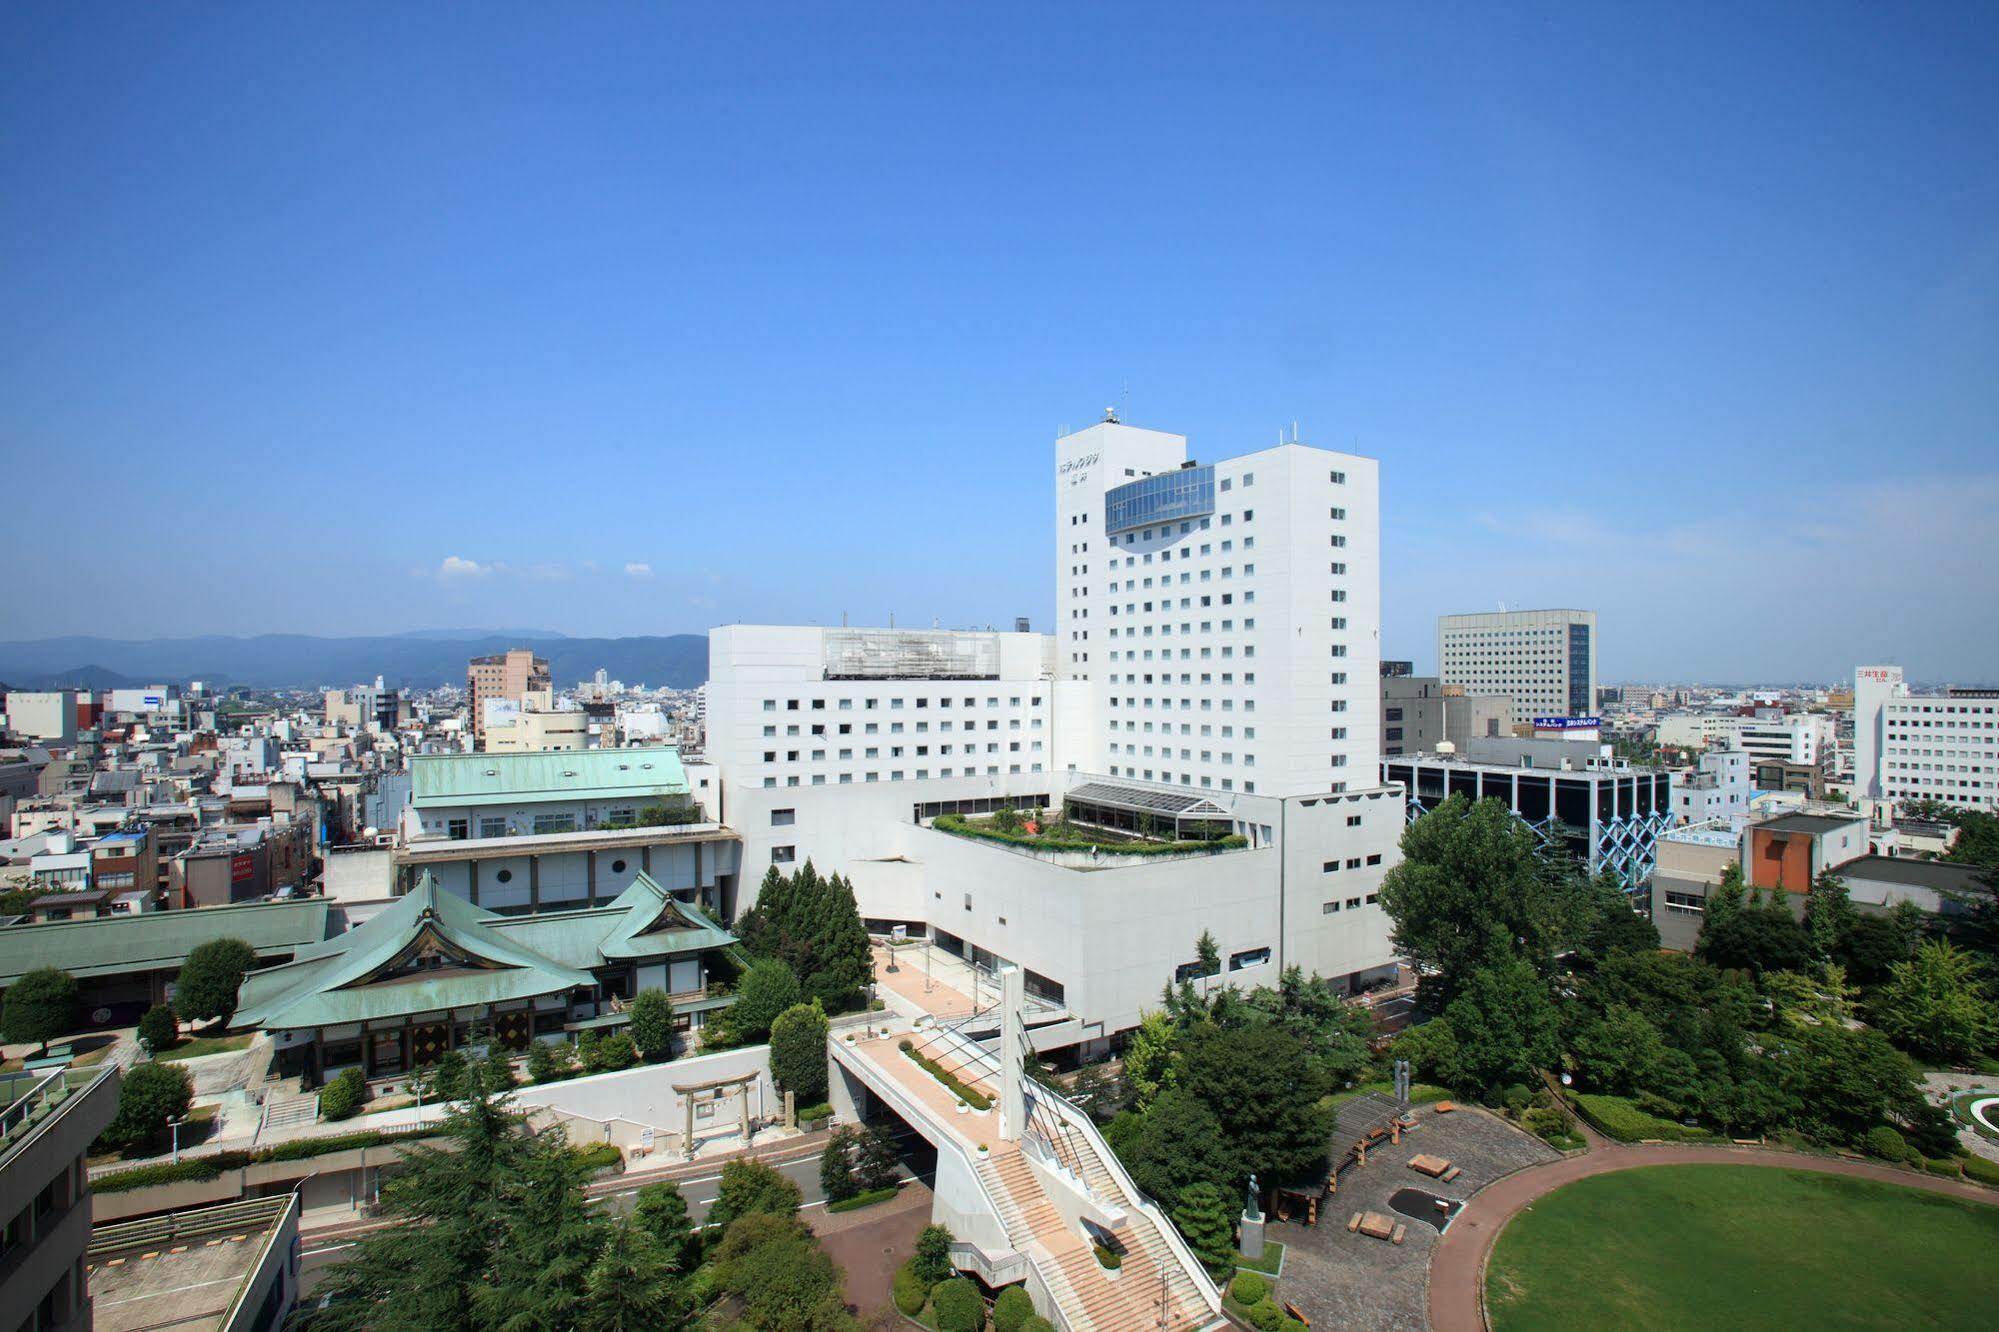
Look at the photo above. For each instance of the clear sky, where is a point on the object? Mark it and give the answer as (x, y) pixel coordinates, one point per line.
(634, 319)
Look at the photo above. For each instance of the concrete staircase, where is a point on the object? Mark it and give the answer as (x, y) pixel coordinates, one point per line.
(1155, 1286)
(284, 1112)
(1091, 1297)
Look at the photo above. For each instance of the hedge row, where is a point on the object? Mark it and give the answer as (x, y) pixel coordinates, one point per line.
(598, 1155)
(859, 1200)
(971, 1096)
(213, 1165)
(812, 1114)
(954, 823)
(1616, 1117)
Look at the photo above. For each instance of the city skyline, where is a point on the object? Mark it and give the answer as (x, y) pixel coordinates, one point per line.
(544, 329)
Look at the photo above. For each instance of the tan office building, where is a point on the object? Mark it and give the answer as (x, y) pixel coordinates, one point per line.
(509, 675)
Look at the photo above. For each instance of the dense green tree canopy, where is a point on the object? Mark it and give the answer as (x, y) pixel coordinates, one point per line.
(1472, 890)
(39, 1007)
(764, 992)
(798, 1052)
(1938, 1005)
(812, 923)
(210, 978)
(492, 1231)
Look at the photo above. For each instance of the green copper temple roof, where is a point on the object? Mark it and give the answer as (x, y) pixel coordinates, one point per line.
(157, 940)
(649, 773)
(434, 950)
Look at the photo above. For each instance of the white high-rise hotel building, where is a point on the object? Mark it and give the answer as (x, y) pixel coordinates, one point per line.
(1226, 616)
(1215, 657)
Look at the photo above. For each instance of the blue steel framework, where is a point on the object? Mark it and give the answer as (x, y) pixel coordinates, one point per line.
(1622, 844)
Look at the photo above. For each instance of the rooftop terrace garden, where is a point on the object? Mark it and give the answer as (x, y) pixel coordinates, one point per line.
(1044, 830)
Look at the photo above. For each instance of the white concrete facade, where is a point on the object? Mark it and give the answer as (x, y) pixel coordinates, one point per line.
(1229, 626)
(1922, 747)
(1808, 738)
(1229, 648)
(1544, 660)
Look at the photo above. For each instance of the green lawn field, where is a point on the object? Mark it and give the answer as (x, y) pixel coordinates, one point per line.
(1716, 1246)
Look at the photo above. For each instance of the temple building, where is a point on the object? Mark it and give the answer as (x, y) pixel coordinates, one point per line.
(434, 972)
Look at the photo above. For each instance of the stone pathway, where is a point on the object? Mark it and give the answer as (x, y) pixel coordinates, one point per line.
(1941, 1085)
(1457, 1269)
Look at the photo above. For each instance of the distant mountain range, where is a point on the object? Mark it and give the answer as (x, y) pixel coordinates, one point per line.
(419, 660)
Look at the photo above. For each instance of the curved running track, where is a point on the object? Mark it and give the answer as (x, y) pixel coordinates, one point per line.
(1457, 1264)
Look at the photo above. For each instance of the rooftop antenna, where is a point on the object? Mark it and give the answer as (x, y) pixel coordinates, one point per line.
(1294, 430)
(1110, 415)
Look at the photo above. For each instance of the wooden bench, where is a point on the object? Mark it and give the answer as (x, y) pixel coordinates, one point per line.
(1443, 1108)
(1296, 1313)
(1451, 1174)
(1425, 1164)
(1401, 1233)
(1353, 1223)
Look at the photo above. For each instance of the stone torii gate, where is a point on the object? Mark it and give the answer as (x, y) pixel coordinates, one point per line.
(703, 1093)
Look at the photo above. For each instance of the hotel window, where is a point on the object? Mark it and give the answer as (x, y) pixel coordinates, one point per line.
(783, 818)
(457, 829)
(1253, 957)
(783, 855)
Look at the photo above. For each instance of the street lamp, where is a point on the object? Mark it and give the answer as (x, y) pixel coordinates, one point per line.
(175, 1124)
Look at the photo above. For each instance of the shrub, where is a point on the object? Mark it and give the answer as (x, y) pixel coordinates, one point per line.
(1515, 1098)
(1108, 1258)
(910, 1292)
(749, 1187)
(166, 1172)
(798, 1051)
(866, 1198)
(150, 1095)
(1616, 1117)
(652, 1025)
(954, 823)
(1886, 1143)
(210, 978)
(158, 1030)
(971, 1096)
(599, 1155)
(932, 1262)
(551, 1061)
(1266, 1316)
(607, 1054)
(1249, 1288)
(1037, 1324)
(812, 1114)
(1982, 1170)
(40, 1006)
(765, 990)
(959, 1308)
(344, 1095)
(1013, 1308)
(1946, 1168)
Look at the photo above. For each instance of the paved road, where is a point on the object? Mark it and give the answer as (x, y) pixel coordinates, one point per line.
(799, 1163)
(1457, 1266)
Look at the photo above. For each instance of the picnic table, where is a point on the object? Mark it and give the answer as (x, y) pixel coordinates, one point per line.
(1376, 1225)
(1433, 1166)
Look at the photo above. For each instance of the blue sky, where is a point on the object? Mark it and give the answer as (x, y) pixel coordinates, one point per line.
(635, 319)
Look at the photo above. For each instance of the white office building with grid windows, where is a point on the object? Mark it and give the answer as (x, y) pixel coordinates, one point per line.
(1908, 746)
(1214, 662)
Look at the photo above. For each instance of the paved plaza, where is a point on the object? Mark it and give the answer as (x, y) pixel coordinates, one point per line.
(1350, 1281)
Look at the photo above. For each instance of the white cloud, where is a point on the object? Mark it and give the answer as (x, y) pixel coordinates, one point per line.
(455, 566)
(639, 569)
